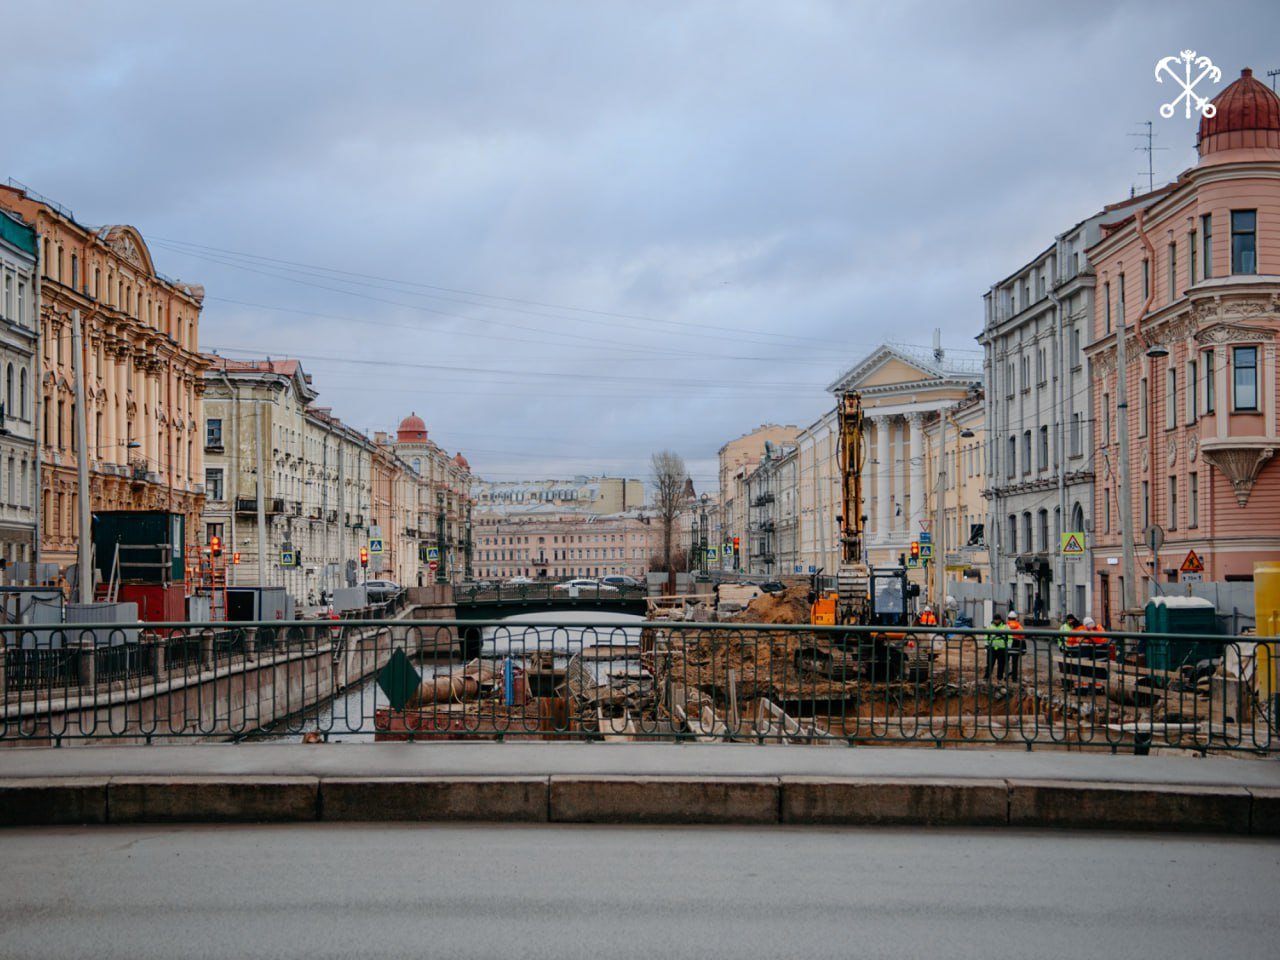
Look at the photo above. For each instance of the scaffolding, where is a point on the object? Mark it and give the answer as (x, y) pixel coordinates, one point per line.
(207, 577)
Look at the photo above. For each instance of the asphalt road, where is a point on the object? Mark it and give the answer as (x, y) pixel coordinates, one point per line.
(558, 892)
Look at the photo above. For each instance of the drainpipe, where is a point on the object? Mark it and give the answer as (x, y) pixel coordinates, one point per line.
(1061, 405)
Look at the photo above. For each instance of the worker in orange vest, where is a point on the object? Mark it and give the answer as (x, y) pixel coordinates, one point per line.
(1017, 643)
(927, 618)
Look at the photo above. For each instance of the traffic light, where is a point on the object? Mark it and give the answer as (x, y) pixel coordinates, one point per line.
(735, 545)
(364, 556)
(215, 546)
(235, 558)
(915, 549)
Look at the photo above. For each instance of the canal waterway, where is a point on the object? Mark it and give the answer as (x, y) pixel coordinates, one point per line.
(348, 717)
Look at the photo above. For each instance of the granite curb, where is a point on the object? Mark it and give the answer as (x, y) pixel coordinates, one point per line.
(648, 799)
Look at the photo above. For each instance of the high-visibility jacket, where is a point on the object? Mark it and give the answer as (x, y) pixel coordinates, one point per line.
(928, 619)
(1017, 640)
(998, 636)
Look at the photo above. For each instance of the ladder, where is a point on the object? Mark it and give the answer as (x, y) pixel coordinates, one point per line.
(206, 576)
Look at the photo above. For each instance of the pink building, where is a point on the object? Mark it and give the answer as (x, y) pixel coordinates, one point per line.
(1204, 256)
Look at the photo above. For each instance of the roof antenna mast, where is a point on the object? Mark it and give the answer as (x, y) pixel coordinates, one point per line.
(1149, 149)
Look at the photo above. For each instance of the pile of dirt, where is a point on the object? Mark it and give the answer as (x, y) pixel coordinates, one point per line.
(790, 606)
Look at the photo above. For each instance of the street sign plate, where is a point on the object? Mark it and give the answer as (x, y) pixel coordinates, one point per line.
(926, 536)
(433, 565)
(286, 558)
(1192, 563)
(1154, 536)
(1073, 544)
(913, 562)
(375, 544)
(1192, 577)
(712, 555)
(926, 550)
(433, 553)
(398, 680)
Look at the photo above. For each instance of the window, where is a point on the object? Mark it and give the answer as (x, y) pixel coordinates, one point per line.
(1146, 504)
(1244, 241)
(1244, 380)
(1044, 448)
(1193, 389)
(1146, 279)
(1206, 236)
(1106, 418)
(1075, 346)
(212, 530)
(1106, 507)
(8, 390)
(1041, 367)
(1026, 532)
(1208, 381)
(1171, 407)
(1042, 542)
(1191, 258)
(1193, 499)
(1106, 299)
(97, 282)
(1026, 451)
(1120, 303)
(213, 433)
(1142, 408)
(1173, 272)
(75, 272)
(1075, 434)
(8, 295)
(1173, 503)
(213, 483)
(23, 401)
(1013, 456)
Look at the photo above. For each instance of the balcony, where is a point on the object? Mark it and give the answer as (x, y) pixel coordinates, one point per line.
(272, 505)
(762, 500)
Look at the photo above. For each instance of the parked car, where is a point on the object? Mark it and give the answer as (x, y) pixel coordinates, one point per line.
(620, 580)
(587, 586)
(381, 591)
(517, 581)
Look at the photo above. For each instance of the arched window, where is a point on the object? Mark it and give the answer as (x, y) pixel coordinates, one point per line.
(1077, 518)
(8, 391)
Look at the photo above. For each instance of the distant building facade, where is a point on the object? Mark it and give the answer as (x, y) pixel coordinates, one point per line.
(593, 494)
(142, 368)
(551, 545)
(738, 459)
(19, 281)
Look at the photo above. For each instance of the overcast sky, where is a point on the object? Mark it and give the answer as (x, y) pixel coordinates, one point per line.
(568, 234)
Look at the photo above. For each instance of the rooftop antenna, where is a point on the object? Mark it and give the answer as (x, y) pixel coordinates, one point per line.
(937, 345)
(1273, 74)
(1149, 150)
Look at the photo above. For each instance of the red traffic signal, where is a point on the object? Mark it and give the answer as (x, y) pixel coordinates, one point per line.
(364, 556)
(735, 544)
(215, 546)
(915, 549)
(235, 558)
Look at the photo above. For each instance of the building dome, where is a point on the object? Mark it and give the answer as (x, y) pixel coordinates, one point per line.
(461, 461)
(412, 429)
(1248, 116)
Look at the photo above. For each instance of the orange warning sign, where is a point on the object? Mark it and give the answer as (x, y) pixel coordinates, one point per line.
(1193, 563)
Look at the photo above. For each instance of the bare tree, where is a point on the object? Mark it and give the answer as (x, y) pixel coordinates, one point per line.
(669, 478)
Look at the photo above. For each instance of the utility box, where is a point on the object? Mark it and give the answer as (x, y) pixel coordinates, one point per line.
(259, 603)
(1180, 615)
(151, 545)
(157, 603)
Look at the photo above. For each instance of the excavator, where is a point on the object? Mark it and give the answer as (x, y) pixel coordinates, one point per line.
(864, 595)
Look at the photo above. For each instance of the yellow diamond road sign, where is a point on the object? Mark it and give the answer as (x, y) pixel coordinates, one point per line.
(1073, 544)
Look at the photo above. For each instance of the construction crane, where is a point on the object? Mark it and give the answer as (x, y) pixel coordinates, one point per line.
(864, 595)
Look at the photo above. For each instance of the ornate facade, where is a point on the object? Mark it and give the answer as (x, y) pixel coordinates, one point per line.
(18, 372)
(1199, 269)
(143, 375)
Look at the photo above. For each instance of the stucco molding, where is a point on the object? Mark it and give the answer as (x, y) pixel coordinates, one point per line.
(1239, 459)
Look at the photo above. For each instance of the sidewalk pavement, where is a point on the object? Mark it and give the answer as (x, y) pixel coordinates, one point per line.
(637, 783)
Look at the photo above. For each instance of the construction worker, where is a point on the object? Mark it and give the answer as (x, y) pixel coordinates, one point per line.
(1069, 626)
(1093, 633)
(1017, 643)
(927, 618)
(997, 647)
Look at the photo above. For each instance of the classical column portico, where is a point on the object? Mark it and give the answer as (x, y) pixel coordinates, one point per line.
(915, 468)
(882, 478)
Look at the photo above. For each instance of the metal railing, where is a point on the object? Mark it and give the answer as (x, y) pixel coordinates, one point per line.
(468, 593)
(645, 680)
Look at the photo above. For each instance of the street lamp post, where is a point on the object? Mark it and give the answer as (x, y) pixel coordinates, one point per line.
(442, 575)
(702, 555)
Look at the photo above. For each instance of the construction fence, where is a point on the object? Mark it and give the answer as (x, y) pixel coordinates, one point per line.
(429, 680)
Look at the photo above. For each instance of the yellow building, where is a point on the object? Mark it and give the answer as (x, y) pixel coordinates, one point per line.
(142, 375)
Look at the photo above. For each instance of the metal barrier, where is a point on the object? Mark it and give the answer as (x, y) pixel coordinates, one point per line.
(759, 683)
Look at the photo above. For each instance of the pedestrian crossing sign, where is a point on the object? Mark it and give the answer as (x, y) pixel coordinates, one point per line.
(286, 558)
(926, 550)
(433, 553)
(913, 562)
(375, 544)
(712, 555)
(1073, 544)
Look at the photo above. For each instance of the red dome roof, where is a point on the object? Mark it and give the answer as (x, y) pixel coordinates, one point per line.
(412, 430)
(1248, 116)
(461, 461)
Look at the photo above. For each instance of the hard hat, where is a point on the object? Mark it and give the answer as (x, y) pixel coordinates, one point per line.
(1013, 614)
(1090, 622)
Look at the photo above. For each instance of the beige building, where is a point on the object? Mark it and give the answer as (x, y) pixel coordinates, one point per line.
(592, 494)
(738, 460)
(905, 391)
(552, 545)
(143, 375)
